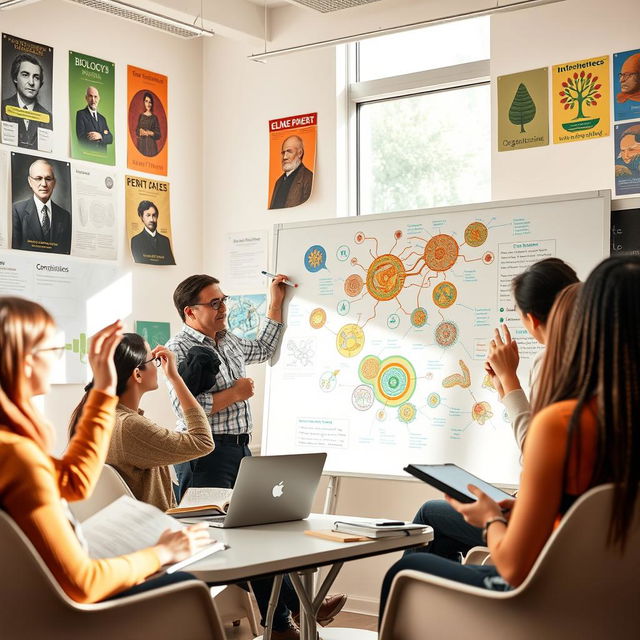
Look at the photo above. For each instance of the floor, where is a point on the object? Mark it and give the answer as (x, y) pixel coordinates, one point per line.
(344, 619)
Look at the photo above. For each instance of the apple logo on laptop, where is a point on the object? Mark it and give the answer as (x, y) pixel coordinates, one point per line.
(278, 490)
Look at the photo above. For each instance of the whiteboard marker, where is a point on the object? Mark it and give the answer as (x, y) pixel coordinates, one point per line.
(273, 275)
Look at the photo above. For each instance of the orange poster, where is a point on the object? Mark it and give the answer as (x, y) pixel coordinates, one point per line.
(292, 160)
(147, 144)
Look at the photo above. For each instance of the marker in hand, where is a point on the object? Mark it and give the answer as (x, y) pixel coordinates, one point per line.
(273, 275)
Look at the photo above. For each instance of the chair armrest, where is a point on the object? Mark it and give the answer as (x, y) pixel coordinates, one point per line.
(478, 555)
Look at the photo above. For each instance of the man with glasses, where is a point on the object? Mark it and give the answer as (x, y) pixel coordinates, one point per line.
(39, 224)
(629, 77)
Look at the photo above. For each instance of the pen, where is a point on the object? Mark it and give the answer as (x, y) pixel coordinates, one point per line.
(390, 523)
(273, 275)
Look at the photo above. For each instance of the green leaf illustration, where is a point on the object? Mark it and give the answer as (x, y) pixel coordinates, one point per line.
(522, 109)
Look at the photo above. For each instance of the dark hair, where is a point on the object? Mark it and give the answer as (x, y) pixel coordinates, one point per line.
(146, 204)
(536, 288)
(559, 325)
(602, 360)
(188, 290)
(25, 57)
(129, 355)
(149, 95)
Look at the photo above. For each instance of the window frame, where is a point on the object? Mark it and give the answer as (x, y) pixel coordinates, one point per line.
(359, 93)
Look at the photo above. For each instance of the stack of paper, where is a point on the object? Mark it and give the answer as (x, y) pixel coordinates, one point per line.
(378, 529)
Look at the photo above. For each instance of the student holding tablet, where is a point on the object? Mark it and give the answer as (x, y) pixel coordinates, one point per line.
(586, 437)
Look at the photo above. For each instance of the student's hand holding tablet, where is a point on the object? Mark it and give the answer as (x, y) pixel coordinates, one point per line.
(477, 513)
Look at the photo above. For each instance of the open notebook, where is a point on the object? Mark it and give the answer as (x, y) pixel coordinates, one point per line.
(203, 502)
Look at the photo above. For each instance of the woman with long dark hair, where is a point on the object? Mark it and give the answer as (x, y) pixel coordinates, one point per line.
(34, 486)
(147, 128)
(141, 450)
(587, 437)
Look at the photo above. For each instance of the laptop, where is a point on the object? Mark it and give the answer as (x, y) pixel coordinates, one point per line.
(273, 489)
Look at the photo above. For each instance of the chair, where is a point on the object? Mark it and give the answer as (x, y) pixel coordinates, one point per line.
(579, 587)
(32, 604)
(478, 555)
(232, 602)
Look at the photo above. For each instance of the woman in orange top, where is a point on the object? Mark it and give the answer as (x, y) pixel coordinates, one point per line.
(585, 438)
(34, 486)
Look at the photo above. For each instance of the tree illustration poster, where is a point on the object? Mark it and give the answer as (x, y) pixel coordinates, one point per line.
(523, 110)
(581, 94)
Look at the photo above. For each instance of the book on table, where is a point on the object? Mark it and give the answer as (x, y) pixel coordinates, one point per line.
(128, 525)
(202, 502)
(371, 528)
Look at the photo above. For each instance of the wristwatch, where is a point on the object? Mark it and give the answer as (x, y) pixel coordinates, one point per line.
(488, 523)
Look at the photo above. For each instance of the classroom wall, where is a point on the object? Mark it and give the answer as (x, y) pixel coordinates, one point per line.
(306, 81)
(66, 26)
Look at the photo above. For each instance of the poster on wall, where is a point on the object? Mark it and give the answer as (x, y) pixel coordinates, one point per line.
(154, 333)
(627, 157)
(5, 203)
(580, 92)
(95, 229)
(246, 314)
(292, 159)
(147, 116)
(27, 94)
(245, 257)
(41, 197)
(82, 297)
(626, 84)
(148, 220)
(91, 108)
(523, 110)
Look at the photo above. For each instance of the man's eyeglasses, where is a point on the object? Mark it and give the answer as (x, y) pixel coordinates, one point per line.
(57, 351)
(214, 304)
(156, 361)
(47, 179)
(628, 74)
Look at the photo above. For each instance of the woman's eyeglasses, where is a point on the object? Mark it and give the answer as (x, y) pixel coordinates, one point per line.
(156, 361)
(57, 351)
(214, 304)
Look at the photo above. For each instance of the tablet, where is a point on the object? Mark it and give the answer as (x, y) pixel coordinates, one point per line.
(453, 480)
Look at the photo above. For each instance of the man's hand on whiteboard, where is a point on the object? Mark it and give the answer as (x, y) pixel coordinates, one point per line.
(277, 290)
(503, 358)
(243, 388)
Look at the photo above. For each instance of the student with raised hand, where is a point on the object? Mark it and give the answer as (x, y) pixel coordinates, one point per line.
(534, 291)
(586, 437)
(140, 449)
(34, 486)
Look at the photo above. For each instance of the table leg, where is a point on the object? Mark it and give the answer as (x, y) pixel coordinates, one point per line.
(273, 601)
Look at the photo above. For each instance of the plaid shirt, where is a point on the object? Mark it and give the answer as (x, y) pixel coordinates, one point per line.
(234, 354)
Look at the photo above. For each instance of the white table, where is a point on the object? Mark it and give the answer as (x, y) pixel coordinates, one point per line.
(279, 548)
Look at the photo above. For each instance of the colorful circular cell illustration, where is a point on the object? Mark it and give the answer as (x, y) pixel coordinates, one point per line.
(481, 412)
(441, 252)
(343, 307)
(407, 412)
(396, 381)
(446, 334)
(317, 318)
(419, 317)
(362, 397)
(385, 277)
(381, 415)
(343, 252)
(397, 234)
(369, 368)
(475, 234)
(488, 257)
(433, 400)
(315, 258)
(359, 237)
(393, 321)
(353, 285)
(445, 294)
(350, 340)
(328, 381)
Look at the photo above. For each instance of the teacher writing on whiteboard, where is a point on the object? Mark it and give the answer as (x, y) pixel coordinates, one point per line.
(200, 302)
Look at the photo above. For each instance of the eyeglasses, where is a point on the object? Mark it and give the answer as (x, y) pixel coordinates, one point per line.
(624, 76)
(214, 304)
(57, 351)
(156, 361)
(47, 179)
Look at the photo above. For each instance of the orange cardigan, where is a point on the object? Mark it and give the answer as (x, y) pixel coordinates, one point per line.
(31, 486)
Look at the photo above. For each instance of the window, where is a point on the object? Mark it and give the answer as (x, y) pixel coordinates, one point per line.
(423, 137)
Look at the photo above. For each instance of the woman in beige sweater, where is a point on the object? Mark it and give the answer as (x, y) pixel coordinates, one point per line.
(140, 449)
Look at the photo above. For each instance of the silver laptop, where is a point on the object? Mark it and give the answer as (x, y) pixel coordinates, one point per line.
(273, 489)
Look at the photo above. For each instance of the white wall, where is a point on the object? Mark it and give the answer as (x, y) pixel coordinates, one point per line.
(66, 26)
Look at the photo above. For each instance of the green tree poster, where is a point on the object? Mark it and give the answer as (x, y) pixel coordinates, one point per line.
(91, 108)
(523, 108)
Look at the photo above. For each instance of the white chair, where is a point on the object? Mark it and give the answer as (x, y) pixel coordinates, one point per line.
(32, 604)
(579, 588)
(478, 555)
(232, 602)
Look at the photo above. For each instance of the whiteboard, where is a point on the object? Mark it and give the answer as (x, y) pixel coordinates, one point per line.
(381, 362)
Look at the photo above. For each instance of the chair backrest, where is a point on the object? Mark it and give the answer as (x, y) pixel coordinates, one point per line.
(109, 487)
